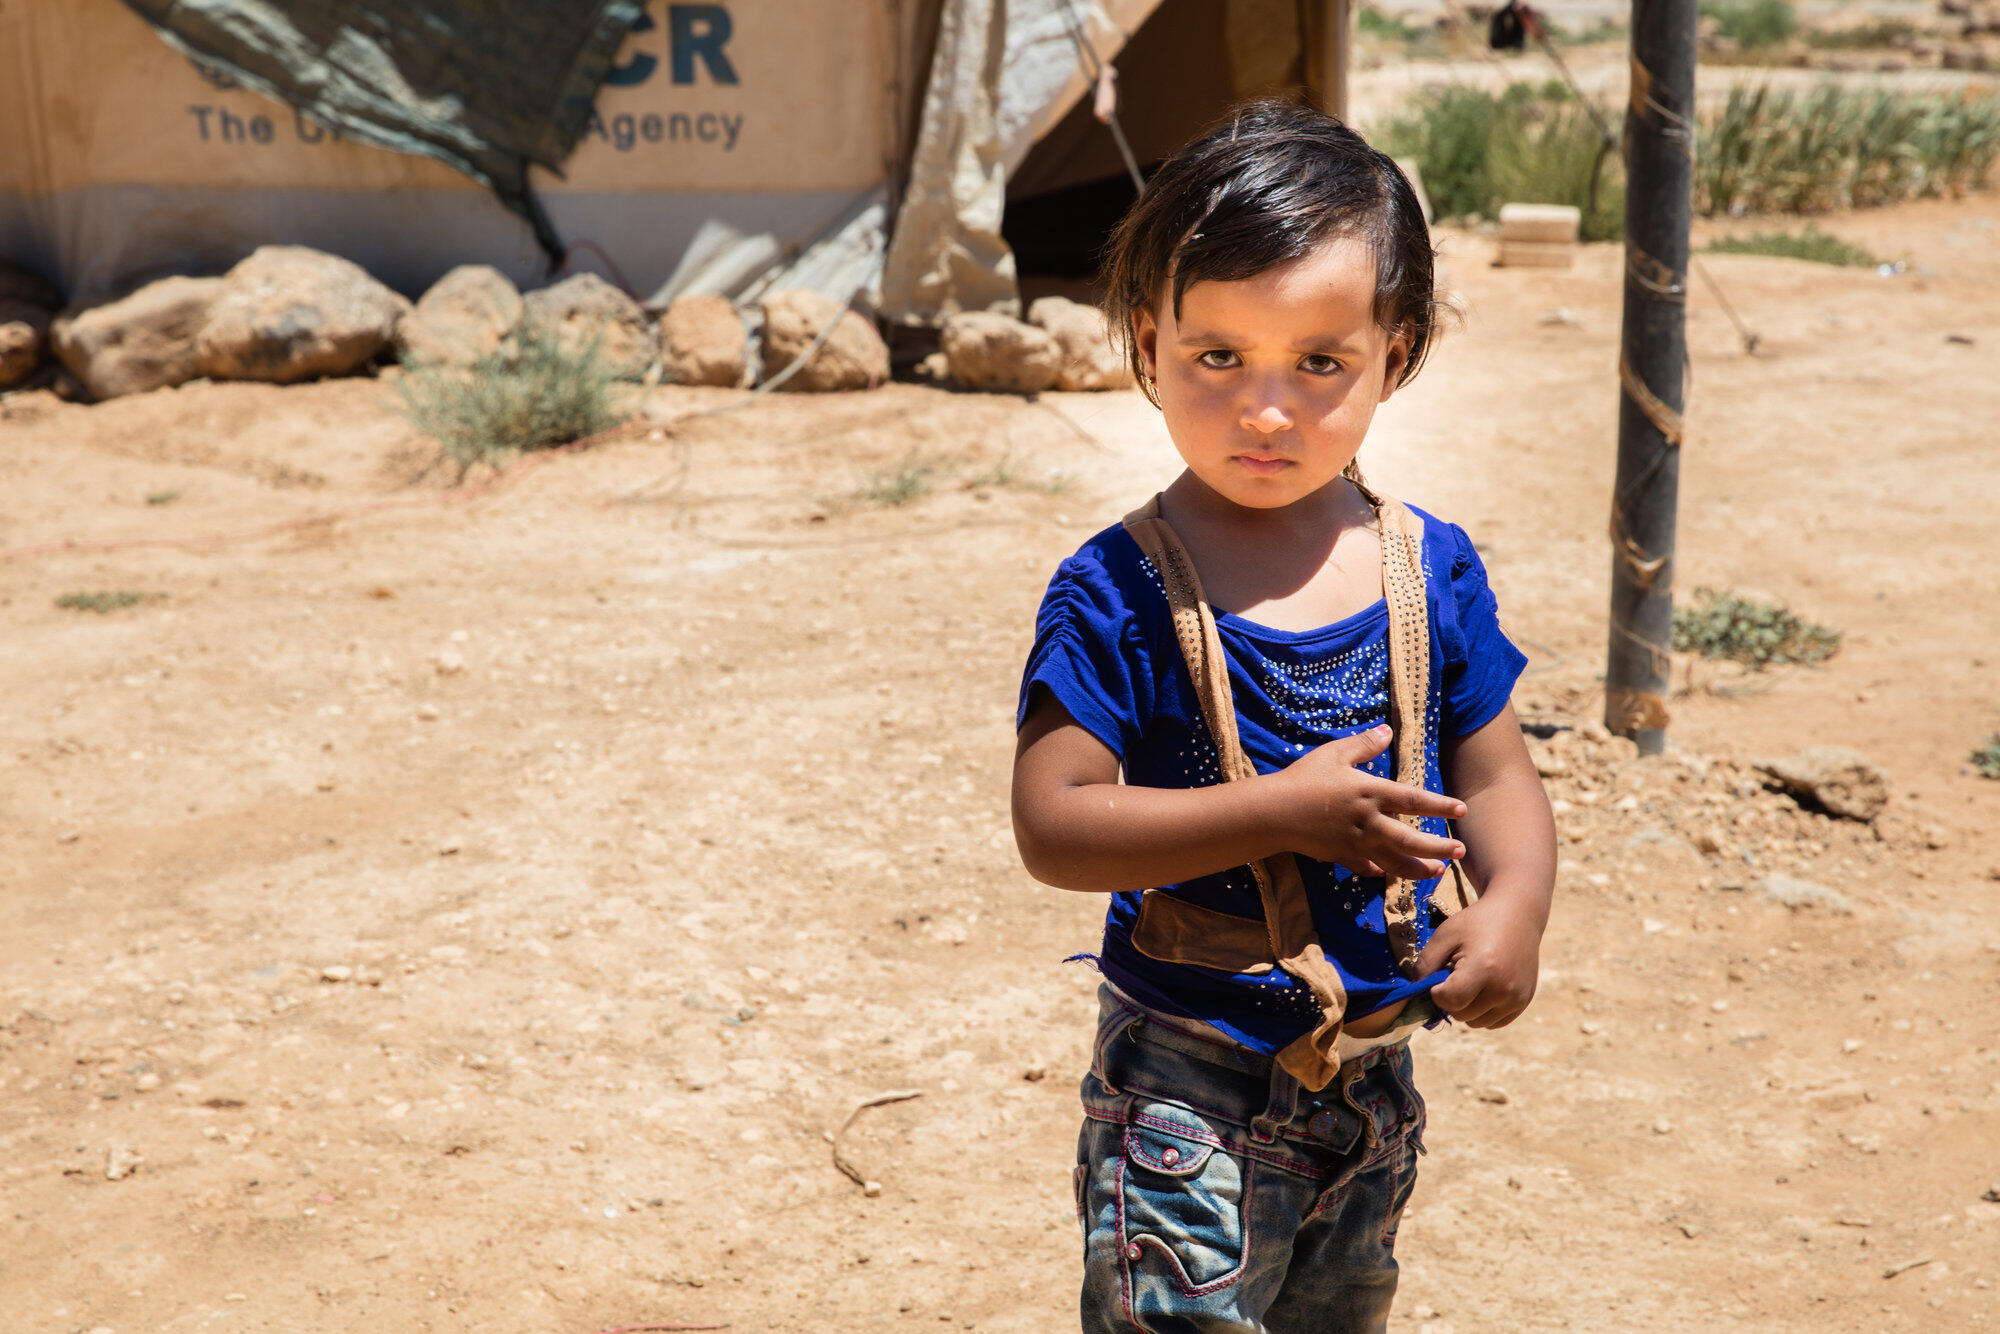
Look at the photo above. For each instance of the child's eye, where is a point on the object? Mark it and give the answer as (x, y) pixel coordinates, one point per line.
(1217, 359)
(1320, 364)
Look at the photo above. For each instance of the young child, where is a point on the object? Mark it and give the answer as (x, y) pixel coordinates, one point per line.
(1286, 902)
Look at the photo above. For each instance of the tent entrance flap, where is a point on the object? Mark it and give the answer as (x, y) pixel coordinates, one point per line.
(1187, 63)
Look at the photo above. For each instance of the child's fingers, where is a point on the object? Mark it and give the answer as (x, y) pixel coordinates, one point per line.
(1402, 799)
(1395, 836)
(1359, 748)
(1409, 800)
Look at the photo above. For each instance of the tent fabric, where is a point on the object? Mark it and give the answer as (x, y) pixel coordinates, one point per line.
(486, 86)
(732, 147)
(1003, 72)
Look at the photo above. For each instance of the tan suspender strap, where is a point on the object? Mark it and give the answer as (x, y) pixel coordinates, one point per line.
(1409, 696)
(1288, 925)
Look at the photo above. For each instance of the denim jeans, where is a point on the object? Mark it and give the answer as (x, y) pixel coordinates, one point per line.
(1217, 1194)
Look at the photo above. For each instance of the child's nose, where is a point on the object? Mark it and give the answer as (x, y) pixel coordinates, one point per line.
(1266, 418)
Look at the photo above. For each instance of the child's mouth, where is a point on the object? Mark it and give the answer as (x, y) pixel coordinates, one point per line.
(1262, 466)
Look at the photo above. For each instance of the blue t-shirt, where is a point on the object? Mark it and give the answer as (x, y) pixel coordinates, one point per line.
(1105, 649)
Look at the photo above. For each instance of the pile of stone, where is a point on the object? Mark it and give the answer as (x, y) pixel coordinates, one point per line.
(1061, 345)
(28, 306)
(289, 313)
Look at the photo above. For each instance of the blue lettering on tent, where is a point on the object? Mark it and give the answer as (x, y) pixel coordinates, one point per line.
(624, 132)
(699, 32)
(642, 64)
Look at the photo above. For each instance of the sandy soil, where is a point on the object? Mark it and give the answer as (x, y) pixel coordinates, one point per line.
(476, 915)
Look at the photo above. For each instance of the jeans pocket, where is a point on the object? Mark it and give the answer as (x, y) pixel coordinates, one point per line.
(1181, 1197)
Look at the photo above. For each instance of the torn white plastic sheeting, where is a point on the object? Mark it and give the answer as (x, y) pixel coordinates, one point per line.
(1002, 73)
(843, 257)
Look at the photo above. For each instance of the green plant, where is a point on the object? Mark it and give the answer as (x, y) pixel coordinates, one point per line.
(538, 390)
(1447, 131)
(107, 601)
(1812, 245)
(1757, 634)
(1551, 152)
(1767, 151)
(900, 485)
(162, 497)
(1986, 759)
(1752, 23)
(1531, 143)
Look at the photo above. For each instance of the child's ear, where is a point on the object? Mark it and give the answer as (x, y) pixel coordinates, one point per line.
(1392, 367)
(1146, 338)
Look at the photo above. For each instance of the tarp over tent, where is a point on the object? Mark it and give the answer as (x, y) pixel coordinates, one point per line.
(862, 147)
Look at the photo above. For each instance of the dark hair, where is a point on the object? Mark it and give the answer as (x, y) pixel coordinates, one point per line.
(1269, 182)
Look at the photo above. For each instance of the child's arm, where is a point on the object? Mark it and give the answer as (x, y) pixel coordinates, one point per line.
(1493, 946)
(1079, 828)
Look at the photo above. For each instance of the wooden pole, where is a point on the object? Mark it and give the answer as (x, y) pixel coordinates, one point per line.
(1652, 367)
(1328, 30)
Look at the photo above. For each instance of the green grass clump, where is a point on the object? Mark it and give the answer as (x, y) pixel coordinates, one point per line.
(162, 497)
(1762, 151)
(1531, 144)
(536, 391)
(1986, 759)
(106, 601)
(1752, 23)
(1811, 244)
(1757, 634)
(1770, 151)
(900, 485)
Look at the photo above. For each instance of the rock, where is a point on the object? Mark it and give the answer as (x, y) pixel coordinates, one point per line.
(703, 340)
(27, 307)
(1088, 359)
(1837, 779)
(464, 316)
(1000, 354)
(1547, 763)
(855, 357)
(583, 307)
(121, 1162)
(24, 336)
(1795, 894)
(139, 342)
(336, 972)
(291, 313)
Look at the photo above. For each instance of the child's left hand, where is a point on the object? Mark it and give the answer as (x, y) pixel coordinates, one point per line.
(1494, 951)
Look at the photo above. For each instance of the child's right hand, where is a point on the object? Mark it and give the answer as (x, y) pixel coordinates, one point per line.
(1333, 812)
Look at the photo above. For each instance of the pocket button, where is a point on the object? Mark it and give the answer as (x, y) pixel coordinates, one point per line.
(1132, 1251)
(1170, 1156)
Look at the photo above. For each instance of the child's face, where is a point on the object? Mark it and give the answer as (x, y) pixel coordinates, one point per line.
(1268, 384)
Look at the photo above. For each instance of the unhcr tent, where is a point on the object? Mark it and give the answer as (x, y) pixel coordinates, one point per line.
(866, 148)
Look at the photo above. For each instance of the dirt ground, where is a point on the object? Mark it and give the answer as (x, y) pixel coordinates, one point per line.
(477, 914)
